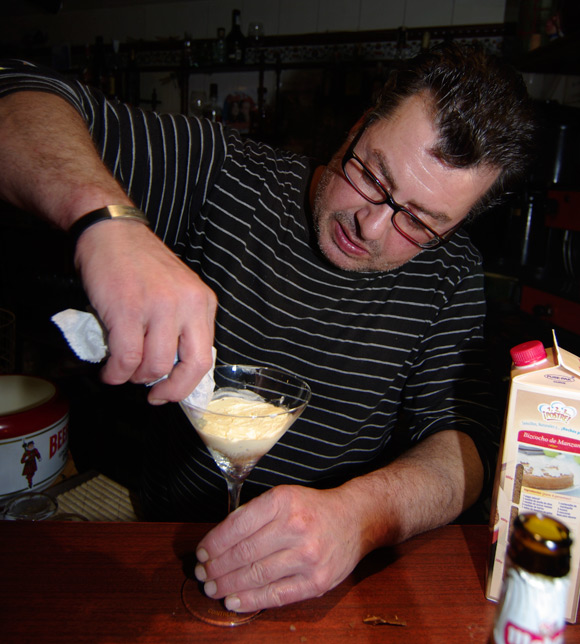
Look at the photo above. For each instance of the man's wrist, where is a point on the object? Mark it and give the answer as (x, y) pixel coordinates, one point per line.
(104, 214)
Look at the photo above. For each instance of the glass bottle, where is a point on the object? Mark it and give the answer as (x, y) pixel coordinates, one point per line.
(235, 41)
(133, 80)
(533, 603)
(220, 49)
(213, 111)
(99, 65)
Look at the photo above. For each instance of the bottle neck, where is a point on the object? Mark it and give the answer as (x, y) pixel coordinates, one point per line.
(540, 364)
(541, 545)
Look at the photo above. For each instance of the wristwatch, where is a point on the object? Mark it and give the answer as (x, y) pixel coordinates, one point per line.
(102, 214)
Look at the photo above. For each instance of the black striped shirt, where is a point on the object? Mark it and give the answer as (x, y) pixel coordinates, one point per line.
(391, 357)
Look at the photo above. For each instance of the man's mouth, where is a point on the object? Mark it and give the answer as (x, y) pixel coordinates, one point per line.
(345, 243)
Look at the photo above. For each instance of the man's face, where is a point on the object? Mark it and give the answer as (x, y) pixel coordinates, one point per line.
(357, 235)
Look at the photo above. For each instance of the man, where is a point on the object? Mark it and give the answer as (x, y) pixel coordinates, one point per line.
(356, 276)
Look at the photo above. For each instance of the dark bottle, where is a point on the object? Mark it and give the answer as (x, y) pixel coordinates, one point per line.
(235, 41)
(220, 47)
(533, 603)
(99, 73)
(212, 111)
(187, 55)
(114, 73)
(186, 65)
(88, 66)
(260, 118)
(154, 99)
(133, 80)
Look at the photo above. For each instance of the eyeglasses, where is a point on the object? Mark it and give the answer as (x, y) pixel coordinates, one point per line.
(371, 188)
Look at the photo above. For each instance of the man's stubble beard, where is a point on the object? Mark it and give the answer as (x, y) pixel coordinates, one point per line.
(321, 217)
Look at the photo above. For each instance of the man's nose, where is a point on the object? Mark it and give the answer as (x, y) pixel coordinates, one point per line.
(373, 220)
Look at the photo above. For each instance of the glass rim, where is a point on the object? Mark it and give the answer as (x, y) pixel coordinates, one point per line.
(287, 411)
(300, 385)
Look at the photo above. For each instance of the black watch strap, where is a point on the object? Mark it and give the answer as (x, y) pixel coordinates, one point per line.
(103, 214)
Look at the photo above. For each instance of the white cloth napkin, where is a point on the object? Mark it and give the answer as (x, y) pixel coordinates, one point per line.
(87, 337)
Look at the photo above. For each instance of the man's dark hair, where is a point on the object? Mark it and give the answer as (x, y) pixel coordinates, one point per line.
(480, 107)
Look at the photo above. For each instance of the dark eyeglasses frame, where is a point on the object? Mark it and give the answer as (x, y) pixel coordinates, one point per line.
(437, 240)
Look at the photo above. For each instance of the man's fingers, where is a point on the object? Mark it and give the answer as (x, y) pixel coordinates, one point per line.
(195, 360)
(241, 525)
(280, 548)
(153, 306)
(126, 352)
(278, 593)
(177, 386)
(257, 574)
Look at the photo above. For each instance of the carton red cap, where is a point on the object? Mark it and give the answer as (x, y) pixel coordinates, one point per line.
(528, 353)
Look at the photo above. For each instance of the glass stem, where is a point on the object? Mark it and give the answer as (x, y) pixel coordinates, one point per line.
(234, 490)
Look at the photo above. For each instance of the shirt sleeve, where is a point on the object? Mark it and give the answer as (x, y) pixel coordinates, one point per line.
(449, 386)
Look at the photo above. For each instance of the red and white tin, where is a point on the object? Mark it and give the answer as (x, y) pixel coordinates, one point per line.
(33, 434)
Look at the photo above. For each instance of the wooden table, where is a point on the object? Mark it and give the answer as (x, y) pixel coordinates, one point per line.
(120, 582)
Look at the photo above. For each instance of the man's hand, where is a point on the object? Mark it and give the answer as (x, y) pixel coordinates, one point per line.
(152, 305)
(292, 543)
(289, 544)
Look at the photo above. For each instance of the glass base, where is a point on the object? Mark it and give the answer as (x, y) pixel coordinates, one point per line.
(30, 506)
(211, 611)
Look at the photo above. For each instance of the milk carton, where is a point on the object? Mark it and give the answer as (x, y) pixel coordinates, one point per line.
(539, 460)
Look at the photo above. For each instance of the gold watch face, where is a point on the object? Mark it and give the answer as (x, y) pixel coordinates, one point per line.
(126, 212)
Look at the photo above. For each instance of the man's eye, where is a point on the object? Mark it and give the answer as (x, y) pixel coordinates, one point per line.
(369, 181)
(414, 223)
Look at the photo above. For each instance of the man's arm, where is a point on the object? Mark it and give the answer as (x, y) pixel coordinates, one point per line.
(293, 543)
(49, 163)
(49, 166)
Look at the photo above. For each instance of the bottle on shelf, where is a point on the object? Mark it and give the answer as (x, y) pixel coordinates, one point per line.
(133, 80)
(88, 66)
(235, 41)
(197, 103)
(154, 99)
(260, 124)
(185, 69)
(187, 61)
(535, 587)
(213, 111)
(402, 44)
(114, 72)
(99, 73)
(220, 48)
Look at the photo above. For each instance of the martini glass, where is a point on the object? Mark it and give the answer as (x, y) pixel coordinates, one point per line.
(249, 411)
